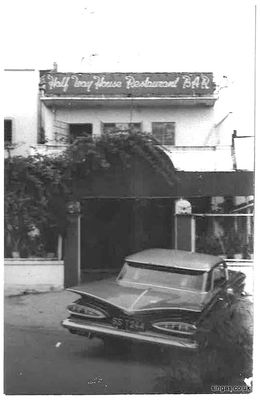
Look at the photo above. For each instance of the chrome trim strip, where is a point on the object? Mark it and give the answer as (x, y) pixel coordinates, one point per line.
(162, 287)
(80, 292)
(177, 342)
(101, 314)
(128, 310)
(138, 298)
(85, 315)
(157, 326)
(167, 308)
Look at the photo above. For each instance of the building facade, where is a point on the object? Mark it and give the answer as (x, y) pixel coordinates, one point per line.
(187, 113)
(177, 108)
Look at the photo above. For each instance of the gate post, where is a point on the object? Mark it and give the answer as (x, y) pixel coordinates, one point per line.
(184, 226)
(72, 246)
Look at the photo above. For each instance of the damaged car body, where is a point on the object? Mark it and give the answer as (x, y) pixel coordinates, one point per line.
(160, 296)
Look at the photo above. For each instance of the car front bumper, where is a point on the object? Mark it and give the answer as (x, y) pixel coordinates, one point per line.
(102, 331)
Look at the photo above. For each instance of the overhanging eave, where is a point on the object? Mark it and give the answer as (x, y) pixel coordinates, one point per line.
(66, 101)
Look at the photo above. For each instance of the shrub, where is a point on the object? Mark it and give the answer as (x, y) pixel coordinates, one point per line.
(225, 355)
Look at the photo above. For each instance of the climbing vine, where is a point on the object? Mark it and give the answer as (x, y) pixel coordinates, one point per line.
(37, 188)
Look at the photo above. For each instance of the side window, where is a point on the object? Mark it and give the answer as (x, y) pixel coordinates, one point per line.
(219, 275)
(208, 281)
(164, 132)
(79, 130)
(114, 128)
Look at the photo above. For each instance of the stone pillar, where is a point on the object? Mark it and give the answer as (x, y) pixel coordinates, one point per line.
(72, 246)
(184, 226)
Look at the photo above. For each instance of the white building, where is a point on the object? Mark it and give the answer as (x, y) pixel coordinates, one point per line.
(20, 109)
(188, 114)
(192, 120)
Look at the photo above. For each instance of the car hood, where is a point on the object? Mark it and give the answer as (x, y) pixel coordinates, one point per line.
(132, 298)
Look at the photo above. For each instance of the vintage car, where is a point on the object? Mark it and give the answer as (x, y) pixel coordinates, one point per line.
(160, 296)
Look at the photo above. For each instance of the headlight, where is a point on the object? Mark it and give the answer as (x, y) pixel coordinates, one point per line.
(86, 311)
(176, 327)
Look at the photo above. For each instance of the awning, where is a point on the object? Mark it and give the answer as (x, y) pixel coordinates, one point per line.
(111, 101)
(200, 158)
(212, 158)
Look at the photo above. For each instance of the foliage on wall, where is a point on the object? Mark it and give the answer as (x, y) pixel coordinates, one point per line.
(37, 188)
(118, 151)
(30, 184)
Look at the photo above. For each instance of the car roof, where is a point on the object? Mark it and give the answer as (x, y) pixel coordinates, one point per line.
(175, 258)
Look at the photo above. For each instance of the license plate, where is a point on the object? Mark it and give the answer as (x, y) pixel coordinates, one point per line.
(128, 324)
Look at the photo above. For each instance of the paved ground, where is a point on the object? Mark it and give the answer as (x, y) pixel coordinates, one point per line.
(41, 361)
(43, 358)
(45, 310)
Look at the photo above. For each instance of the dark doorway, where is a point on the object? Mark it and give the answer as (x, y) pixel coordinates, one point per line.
(114, 228)
(77, 130)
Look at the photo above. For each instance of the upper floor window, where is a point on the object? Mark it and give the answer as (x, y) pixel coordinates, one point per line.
(164, 132)
(117, 127)
(8, 129)
(79, 130)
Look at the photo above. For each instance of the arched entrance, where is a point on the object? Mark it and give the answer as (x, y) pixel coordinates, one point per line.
(123, 209)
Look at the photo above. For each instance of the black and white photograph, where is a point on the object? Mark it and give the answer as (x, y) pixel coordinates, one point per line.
(129, 197)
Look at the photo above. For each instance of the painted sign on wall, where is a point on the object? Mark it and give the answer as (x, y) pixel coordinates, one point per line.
(127, 84)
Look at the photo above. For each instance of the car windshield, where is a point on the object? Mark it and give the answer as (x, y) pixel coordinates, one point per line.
(168, 277)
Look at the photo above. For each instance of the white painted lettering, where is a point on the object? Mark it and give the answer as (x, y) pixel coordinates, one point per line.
(205, 82)
(186, 81)
(91, 83)
(132, 83)
(102, 83)
(195, 83)
(78, 83)
(54, 82)
(130, 80)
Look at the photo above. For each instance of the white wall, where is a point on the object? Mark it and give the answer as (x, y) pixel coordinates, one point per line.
(195, 126)
(20, 88)
(40, 275)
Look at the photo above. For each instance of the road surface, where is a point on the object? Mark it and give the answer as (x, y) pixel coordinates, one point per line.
(45, 361)
(43, 358)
